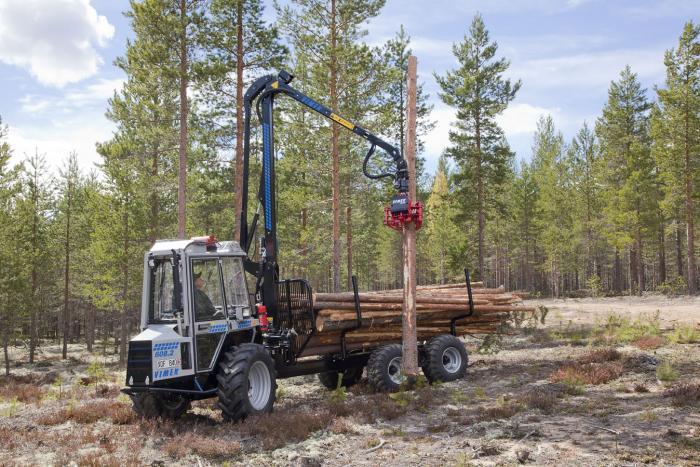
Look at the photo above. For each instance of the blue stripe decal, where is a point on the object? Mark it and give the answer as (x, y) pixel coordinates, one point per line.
(266, 169)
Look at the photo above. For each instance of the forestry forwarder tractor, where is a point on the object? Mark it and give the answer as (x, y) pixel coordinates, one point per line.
(205, 335)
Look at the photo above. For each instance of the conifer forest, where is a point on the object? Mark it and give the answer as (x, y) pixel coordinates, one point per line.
(611, 211)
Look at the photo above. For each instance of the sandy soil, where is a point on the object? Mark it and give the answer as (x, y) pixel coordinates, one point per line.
(484, 419)
(671, 311)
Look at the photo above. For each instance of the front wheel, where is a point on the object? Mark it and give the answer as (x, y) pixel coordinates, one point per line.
(150, 405)
(247, 382)
(445, 359)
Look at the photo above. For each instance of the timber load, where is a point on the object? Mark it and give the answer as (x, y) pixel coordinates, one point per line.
(437, 306)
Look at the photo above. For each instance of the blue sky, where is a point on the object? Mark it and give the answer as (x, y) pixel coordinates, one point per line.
(56, 61)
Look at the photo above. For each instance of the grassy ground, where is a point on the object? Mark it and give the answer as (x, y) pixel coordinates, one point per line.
(620, 390)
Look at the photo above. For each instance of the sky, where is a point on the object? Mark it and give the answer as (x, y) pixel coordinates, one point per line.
(57, 62)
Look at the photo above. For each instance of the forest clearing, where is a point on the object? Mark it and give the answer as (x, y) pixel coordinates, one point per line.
(634, 402)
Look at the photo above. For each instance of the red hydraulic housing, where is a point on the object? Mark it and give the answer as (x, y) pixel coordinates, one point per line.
(402, 211)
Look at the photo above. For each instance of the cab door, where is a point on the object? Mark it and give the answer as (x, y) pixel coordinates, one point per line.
(210, 320)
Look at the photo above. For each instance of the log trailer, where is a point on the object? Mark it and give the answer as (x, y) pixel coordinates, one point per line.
(205, 334)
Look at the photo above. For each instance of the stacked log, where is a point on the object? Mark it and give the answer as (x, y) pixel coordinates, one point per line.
(436, 306)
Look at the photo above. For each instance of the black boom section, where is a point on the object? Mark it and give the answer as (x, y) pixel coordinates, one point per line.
(139, 363)
(295, 312)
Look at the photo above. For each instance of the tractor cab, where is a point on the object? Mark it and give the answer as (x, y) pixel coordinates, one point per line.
(195, 300)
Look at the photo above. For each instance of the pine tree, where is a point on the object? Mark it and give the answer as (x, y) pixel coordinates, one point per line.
(524, 205)
(584, 153)
(676, 128)
(328, 32)
(442, 234)
(34, 204)
(628, 169)
(235, 38)
(479, 92)
(11, 266)
(554, 203)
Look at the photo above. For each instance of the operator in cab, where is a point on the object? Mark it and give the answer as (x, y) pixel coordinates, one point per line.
(202, 303)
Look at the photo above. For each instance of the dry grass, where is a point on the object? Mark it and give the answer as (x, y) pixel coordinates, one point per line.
(587, 373)
(540, 398)
(26, 388)
(500, 411)
(88, 413)
(649, 342)
(608, 354)
(284, 426)
(686, 394)
(213, 448)
(640, 387)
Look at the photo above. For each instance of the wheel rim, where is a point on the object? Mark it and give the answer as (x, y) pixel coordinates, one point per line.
(395, 372)
(451, 360)
(259, 385)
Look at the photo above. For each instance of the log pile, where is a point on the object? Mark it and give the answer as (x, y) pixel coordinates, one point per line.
(436, 306)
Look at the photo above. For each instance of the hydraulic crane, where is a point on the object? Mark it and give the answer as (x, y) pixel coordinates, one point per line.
(263, 91)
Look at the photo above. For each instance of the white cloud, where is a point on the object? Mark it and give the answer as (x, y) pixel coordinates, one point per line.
(93, 95)
(522, 118)
(593, 70)
(58, 139)
(55, 40)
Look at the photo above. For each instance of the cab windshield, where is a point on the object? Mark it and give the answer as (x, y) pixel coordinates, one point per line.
(162, 291)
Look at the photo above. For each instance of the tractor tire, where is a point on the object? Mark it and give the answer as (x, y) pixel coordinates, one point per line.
(445, 359)
(351, 376)
(150, 405)
(384, 368)
(247, 382)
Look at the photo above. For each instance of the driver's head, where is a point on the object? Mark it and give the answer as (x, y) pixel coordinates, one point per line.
(198, 280)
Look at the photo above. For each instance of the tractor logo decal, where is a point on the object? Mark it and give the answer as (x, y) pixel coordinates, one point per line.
(167, 361)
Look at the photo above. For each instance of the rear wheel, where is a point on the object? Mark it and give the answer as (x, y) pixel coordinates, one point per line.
(385, 369)
(350, 377)
(150, 405)
(247, 382)
(445, 359)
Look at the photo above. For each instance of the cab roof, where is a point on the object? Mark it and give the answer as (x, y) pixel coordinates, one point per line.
(195, 246)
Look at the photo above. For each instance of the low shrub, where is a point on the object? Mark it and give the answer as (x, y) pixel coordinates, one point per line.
(684, 335)
(587, 373)
(684, 394)
(601, 355)
(285, 426)
(85, 413)
(666, 372)
(503, 409)
(649, 342)
(540, 398)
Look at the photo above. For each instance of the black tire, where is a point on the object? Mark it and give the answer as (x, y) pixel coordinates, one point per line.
(150, 405)
(445, 359)
(234, 380)
(351, 376)
(382, 368)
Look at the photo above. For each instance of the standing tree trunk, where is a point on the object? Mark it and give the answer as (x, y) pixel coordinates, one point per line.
(335, 173)
(238, 206)
(66, 274)
(662, 250)
(35, 276)
(125, 287)
(409, 334)
(348, 231)
(155, 200)
(679, 250)
(182, 167)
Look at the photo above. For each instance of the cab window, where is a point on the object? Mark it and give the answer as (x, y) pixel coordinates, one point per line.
(235, 284)
(206, 286)
(161, 303)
